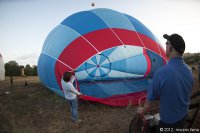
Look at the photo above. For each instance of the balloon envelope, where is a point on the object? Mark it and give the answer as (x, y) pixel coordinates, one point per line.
(2, 69)
(111, 53)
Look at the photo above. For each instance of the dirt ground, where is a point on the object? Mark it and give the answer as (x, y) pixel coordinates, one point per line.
(35, 109)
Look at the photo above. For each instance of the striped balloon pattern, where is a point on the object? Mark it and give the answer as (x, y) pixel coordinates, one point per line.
(113, 56)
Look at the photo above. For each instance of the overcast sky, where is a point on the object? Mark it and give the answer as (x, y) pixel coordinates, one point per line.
(24, 24)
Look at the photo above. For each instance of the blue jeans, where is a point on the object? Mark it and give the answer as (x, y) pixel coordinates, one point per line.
(74, 108)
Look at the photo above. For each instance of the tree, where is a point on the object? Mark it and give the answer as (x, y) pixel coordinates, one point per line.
(12, 69)
(192, 58)
(28, 70)
(34, 68)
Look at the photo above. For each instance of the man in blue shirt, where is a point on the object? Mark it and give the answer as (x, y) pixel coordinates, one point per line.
(172, 85)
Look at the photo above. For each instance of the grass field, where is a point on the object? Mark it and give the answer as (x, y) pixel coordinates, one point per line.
(35, 109)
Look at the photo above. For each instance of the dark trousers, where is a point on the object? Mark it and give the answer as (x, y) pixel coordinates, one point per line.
(174, 127)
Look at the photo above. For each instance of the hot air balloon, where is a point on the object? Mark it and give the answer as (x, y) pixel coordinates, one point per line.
(2, 69)
(113, 56)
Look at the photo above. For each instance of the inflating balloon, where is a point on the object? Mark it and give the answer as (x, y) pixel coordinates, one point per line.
(2, 69)
(112, 54)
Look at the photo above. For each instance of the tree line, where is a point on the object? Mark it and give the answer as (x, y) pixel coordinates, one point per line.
(192, 58)
(12, 68)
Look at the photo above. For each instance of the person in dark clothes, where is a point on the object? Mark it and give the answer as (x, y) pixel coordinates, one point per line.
(11, 80)
(26, 84)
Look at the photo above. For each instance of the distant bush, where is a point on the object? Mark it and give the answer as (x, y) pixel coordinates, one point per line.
(192, 58)
(30, 71)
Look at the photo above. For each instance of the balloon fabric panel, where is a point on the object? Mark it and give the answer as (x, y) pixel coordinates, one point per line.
(112, 53)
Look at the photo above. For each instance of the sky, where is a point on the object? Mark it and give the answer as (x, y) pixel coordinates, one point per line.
(25, 24)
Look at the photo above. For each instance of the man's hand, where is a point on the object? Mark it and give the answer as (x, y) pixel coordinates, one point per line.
(140, 110)
(73, 73)
(80, 96)
(145, 108)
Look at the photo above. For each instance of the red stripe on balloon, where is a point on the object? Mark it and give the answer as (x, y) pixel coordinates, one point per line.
(128, 37)
(148, 62)
(149, 43)
(103, 39)
(59, 71)
(73, 55)
(77, 52)
(119, 100)
(81, 50)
